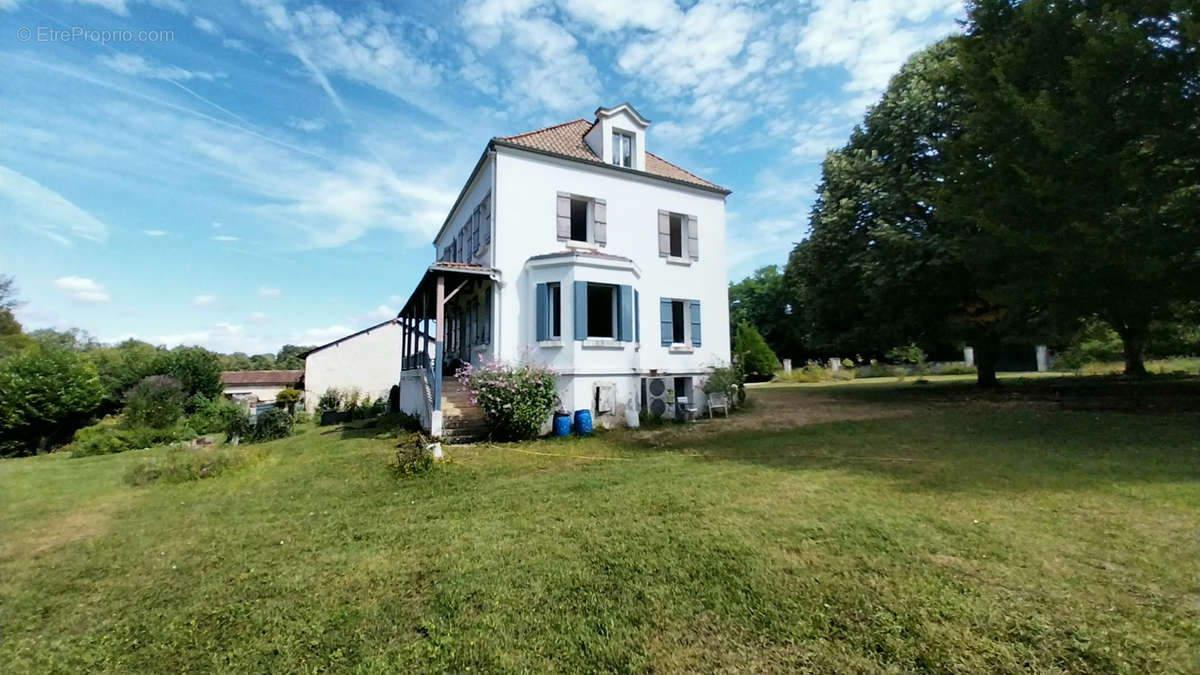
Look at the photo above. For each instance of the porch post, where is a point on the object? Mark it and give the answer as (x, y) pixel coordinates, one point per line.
(439, 354)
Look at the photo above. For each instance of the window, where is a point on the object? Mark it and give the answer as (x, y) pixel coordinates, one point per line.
(554, 292)
(676, 235)
(601, 311)
(622, 149)
(678, 325)
(579, 220)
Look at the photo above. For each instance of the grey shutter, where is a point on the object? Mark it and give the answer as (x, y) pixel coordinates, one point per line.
(475, 240)
(581, 310)
(543, 313)
(625, 315)
(564, 217)
(600, 222)
(637, 318)
(694, 308)
(693, 242)
(664, 314)
(664, 234)
(486, 212)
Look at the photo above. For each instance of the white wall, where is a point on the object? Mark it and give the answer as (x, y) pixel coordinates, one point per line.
(369, 361)
(475, 192)
(527, 185)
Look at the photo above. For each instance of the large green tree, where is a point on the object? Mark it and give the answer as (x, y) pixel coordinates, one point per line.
(765, 301)
(1079, 161)
(883, 265)
(46, 393)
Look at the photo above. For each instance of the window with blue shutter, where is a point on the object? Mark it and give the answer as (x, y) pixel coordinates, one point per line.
(637, 318)
(694, 308)
(625, 314)
(581, 310)
(543, 313)
(668, 329)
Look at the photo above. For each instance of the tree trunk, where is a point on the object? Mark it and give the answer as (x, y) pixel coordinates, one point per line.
(987, 353)
(1133, 342)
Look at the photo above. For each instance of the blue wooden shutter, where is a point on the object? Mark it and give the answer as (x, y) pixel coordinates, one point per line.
(694, 307)
(543, 315)
(581, 310)
(665, 316)
(637, 318)
(625, 315)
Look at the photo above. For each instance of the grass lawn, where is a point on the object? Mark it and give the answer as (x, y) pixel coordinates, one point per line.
(829, 529)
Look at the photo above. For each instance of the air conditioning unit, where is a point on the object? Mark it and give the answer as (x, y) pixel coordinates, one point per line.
(660, 396)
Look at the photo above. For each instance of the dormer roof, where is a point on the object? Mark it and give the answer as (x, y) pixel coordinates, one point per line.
(624, 107)
(566, 140)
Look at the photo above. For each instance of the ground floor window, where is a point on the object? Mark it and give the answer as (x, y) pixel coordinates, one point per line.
(601, 311)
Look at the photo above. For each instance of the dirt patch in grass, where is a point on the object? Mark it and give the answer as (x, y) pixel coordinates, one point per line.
(87, 522)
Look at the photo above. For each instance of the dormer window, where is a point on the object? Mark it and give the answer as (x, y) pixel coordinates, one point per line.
(622, 149)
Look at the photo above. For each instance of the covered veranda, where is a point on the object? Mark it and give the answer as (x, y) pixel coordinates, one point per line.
(446, 321)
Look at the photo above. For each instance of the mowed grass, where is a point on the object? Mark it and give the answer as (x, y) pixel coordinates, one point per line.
(957, 538)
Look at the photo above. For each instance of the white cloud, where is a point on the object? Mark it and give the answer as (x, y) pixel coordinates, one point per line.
(226, 237)
(543, 65)
(229, 329)
(154, 233)
(382, 313)
(268, 292)
(204, 300)
(27, 203)
(882, 35)
(307, 125)
(121, 7)
(206, 25)
(236, 45)
(137, 66)
(83, 289)
(396, 299)
(257, 317)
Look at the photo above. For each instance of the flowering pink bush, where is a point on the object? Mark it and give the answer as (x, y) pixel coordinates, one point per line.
(516, 399)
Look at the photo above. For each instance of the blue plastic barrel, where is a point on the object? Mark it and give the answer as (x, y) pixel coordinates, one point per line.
(562, 425)
(583, 422)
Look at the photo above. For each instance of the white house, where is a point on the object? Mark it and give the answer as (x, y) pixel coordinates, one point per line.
(259, 387)
(368, 360)
(574, 247)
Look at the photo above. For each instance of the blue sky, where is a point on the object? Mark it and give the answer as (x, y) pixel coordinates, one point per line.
(251, 173)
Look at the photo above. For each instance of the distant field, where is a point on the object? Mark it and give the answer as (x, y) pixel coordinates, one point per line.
(871, 527)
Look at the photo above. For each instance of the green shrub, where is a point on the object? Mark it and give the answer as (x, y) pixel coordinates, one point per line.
(331, 400)
(198, 371)
(214, 416)
(399, 422)
(179, 464)
(753, 354)
(272, 424)
(957, 370)
(112, 435)
(302, 417)
(910, 354)
(45, 395)
(240, 428)
(649, 420)
(155, 401)
(516, 399)
(288, 398)
(413, 456)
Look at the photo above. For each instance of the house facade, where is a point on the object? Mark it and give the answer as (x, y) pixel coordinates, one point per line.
(258, 388)
(576, 248)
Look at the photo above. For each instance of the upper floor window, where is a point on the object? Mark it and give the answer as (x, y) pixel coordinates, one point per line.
(622, 149)
(678, 236)
(680, 322)
(582, 220)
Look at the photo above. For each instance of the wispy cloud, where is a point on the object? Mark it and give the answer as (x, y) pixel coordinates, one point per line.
(382, 313)
(268, 292)
(135, 65)
(307, 125)
(226, 237)
(206, 25)
(39, 209)
(83, 289)
(204, 300)
(154, 233)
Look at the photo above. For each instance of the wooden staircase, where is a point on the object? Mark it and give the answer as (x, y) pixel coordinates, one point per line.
(462, 421)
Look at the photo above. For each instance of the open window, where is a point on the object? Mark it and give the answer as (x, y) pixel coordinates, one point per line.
(678, 236)
(582, 220)
(679, 327)
(601, 311)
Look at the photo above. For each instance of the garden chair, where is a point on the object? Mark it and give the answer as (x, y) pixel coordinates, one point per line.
(716, 400)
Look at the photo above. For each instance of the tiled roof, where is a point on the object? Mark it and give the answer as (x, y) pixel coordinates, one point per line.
(567, 139)
(468, 267)
(265, 378)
